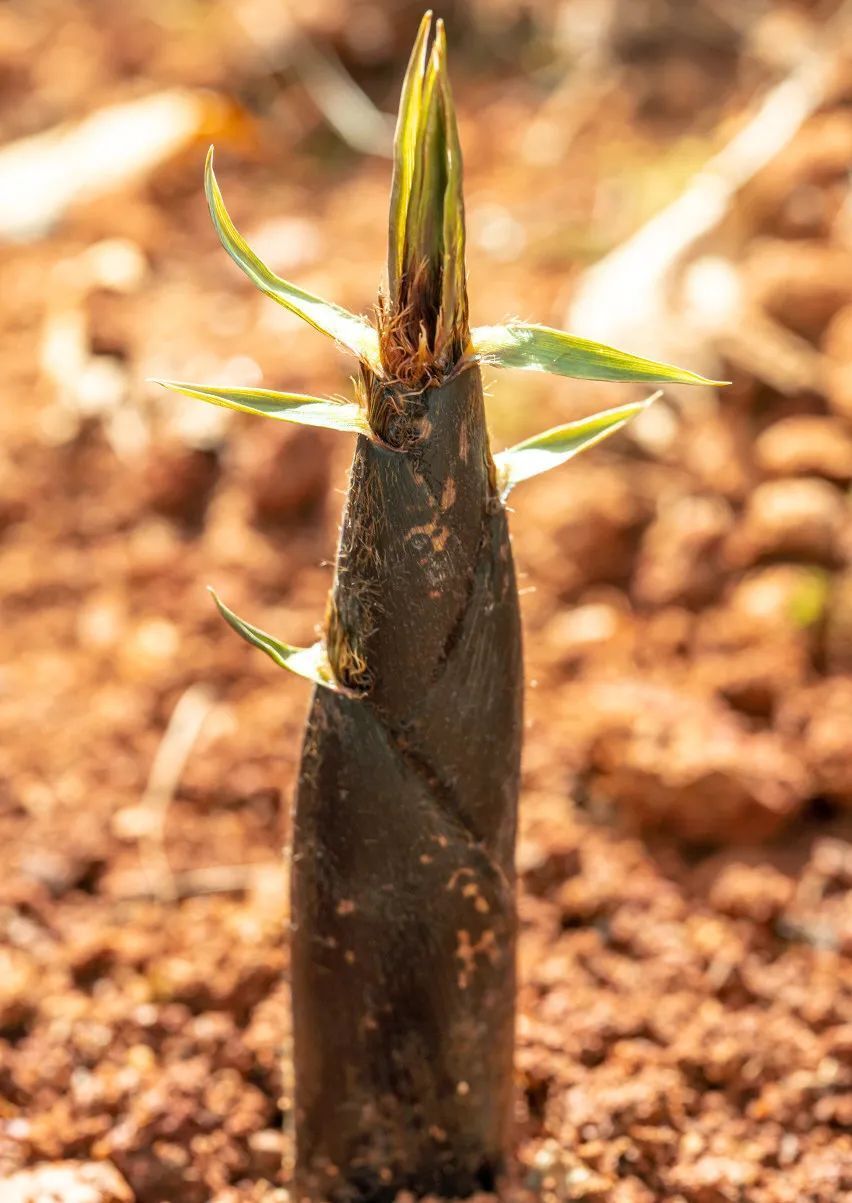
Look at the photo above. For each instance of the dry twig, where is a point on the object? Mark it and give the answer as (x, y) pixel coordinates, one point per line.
(184, 728)
(682, 312)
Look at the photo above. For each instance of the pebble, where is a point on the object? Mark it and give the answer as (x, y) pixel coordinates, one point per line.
(804, 445)
(66, 1182)
(796, 517)
(679, 558)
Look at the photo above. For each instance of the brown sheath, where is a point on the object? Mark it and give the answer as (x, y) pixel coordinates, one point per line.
(403, 952)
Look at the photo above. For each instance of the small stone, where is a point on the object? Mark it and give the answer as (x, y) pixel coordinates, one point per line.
(60, 872)
(679, 558)
(544, 867)
(832, 860)
(179, 481)
(781, 597)
(266, 1150)
(68, 1181)
(288, 475)
(115, 263)
(818, 158)
(756, 892)
(837, 636)
(19, 980)
(801, 518)
(820, 717)
(149, 648)
(670, 761)
(805, 445)
(580, 631)
(802, 284)
(713, 1179)
(838, 387)
(837, 340)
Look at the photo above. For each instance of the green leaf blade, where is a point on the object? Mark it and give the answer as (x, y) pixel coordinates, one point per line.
(425, 324)
(542, 349)
(285, 407)
(348, 329)
(405, 154)
(556, 446)
(422, 247)
(308, 662)
(454, 306)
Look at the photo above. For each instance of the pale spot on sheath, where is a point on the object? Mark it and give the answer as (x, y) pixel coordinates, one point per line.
(463, 1088)
(437, 535)
(346, 907)
(428, 528)
(455, 877)
(467, 952)
(480, 904)
(439, 539)
(448, 496)
(349, 957)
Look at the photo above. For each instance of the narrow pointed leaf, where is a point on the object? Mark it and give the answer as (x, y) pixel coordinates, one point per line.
(425, 330)
(553, 447)
(405, 154)
(424, 226)
(286, 407)
(453, 283)
(308, 662)
(346, 328)
(542, 349)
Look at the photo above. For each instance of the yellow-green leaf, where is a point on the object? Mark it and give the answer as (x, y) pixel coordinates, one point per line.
(308, 662)
(422, 248)
(346, 328)
(453, 282)
(405, 153)
(426, 330)
(542, 349)
(285, 407)
(554, 447)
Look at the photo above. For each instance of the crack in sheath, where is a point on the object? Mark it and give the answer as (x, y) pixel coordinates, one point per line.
(454, 634)
(443, 796)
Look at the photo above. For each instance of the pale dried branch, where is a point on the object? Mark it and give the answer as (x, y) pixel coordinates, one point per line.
(179, 738)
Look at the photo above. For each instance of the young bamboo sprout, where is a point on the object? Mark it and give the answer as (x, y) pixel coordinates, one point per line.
(403, 903)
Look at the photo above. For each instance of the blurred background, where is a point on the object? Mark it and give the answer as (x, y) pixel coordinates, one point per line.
(671, 177)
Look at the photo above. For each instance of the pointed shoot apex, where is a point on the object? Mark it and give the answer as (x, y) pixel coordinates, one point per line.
(425, 321)
(405, 153)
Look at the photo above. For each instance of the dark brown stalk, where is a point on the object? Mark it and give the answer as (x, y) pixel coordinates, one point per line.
(403, 877)
(403, 954)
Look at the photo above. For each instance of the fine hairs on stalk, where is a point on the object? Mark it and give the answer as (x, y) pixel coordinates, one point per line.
(404, 926)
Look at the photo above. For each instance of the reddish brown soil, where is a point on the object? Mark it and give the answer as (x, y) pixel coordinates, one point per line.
(685, 1024)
